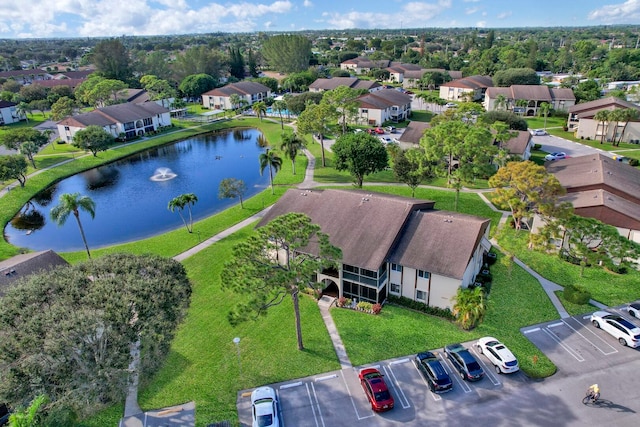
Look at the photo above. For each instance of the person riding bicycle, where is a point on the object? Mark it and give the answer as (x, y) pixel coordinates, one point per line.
(593, 391)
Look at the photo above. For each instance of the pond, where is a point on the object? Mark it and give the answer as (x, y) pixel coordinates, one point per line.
(132, 194)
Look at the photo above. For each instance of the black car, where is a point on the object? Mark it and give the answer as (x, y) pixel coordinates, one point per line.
(433, 371)
(4, 414)
(464, 362)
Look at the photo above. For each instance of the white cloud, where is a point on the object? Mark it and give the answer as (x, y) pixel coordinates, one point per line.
(471, 1)
(627, 12)
(504, 15)
(471, 10)
(307, 3)
(481, 24)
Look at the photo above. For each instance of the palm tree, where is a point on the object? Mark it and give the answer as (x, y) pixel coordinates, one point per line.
(602, 116)
(234, 99)
(544, 109)
(280, 106)
(628, 115)
(269, 159)
(260, 109)
(522, 103)
(72, 203)
(184, 200)
(23, 108)
(291, 144)
(469, 307)
(501, 102)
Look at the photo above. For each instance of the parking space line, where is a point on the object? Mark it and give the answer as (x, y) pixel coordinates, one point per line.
(313, 409)
(352, 401)
(453, 373)
(613, 349)
(435, 396)
(396, 387)
(318, 405)
(327, 377)
(487, 372)
(571, 352)
(397, 362)
(553, 325)
(531, 330)
(282, 387)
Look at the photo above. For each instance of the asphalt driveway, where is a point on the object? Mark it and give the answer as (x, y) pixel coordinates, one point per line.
(551, 144)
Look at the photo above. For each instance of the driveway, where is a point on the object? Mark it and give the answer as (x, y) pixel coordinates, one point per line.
(551, 144)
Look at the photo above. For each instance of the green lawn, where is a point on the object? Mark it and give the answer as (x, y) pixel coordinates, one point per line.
(516, 300)
(572, 308)
(608, 288)
(421, 116)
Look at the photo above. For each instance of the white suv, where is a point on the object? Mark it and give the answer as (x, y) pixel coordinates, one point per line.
(626, 332)
(500, 356)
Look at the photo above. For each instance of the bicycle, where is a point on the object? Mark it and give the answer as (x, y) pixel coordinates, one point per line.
(590, 397)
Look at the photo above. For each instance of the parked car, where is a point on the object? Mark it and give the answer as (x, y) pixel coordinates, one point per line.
(4, 414)
(264, 407)
(371, 131)
(451, 105)
(391, 129)
(464, 362)
(385, 139)
(408, 92)
(634, 309)
(626, 332)
(555, 156)
(376, 389)
(433, 372)
(379, 131)
(538, 132)
(498, 354)
(357, 130)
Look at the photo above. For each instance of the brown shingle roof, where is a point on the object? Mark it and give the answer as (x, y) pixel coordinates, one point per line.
(239, 88)
(518, 144)
(471, 82)
(364, 225)
(589, 109)
(384, 98)
(5, 104)
(23, 265)
(439, 242)
(532, 92)
(354, 83)
(414, 132)
(119, 113)
(600, 197)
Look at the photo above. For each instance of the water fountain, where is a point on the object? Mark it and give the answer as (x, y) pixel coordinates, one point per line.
(162, 174)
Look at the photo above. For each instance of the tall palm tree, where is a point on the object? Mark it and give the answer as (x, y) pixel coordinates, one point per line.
(184, 200)
(72, 203)
(234, 99)
(23, 109)
(280, 106)
(628, 115)
(602, 116)
(269, 159)
(291, 144)
(522, 103)
(544, 110)
(260, 109)
(501, 102)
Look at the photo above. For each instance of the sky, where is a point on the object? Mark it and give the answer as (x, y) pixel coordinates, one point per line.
(106, 18)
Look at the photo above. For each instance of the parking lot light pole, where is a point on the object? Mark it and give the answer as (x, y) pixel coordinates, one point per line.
(236, 341)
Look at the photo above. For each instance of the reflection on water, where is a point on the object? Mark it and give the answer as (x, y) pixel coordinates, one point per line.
(130, 206)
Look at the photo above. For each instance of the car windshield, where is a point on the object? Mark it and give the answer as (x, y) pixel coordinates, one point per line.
(512, 363)
(473, 367)
(382, 396)
(265, 420)
(443, 381)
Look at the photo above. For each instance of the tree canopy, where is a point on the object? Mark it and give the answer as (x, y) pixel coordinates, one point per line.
(196, 84)
(13, 167)
(361, 154)
(93, 138)
(67, 333)
(516, 76)
(230, 188)
(287, 53)
(112, 60)
(275, 262)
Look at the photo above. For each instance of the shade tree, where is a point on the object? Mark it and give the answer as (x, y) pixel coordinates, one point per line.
(360, 154)
(93, 138)
(230, 188)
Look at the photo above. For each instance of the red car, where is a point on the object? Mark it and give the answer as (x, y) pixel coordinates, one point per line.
(376, 389)
(379, 131)
(371, 131)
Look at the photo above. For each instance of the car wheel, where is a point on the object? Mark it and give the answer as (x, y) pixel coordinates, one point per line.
(596, 324)
(498, 370)
(462, 375)
(480, 349)
(632, 313)
(622, 341)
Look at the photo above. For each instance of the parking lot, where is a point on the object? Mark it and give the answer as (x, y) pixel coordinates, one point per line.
(574, 344)
(336, 398)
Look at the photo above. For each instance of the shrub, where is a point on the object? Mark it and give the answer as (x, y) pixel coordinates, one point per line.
(341, 301)
(634, 162)
(577, 294)
(537, 146)
(620, 269)
(377, 308)
(365, 306)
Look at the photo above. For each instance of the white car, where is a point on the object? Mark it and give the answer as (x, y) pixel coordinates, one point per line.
(555, 156)
(264, 407)
(626, 332)
(385, 140)
(451, 105)
(634, 309)
(538, 132)
(498, 354)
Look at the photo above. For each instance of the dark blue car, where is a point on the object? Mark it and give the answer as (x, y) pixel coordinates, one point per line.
(464, 362)
(433, 372)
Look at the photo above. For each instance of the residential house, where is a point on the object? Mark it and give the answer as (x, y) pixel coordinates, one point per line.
(121, 120)
(363, 65)
(520, 145)
(250, 92)
(9, 113)
(534, 95)
(382, 106)
(412, 134)
(470, 88)
(391, 245)
(398, 69)
(23, 265)
(411, 76)
(25, 77)
(321, 85)
(602, 188)
(582, 121)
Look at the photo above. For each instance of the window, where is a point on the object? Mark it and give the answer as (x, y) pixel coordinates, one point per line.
(395, 288)
(396, 267)
(421, 295)
(365, 111)
(423, 274)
